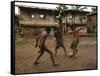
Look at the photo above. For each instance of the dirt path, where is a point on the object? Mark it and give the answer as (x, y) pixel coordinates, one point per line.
(26, 54)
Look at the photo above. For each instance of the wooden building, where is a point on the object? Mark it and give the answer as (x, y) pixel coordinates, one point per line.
(92, 22)
(35, 17)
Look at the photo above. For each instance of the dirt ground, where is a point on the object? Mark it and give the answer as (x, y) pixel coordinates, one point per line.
(26, 54)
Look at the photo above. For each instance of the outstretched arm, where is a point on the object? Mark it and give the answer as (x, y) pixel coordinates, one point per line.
(82, 28)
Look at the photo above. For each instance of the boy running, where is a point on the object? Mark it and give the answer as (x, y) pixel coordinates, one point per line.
(40, 42)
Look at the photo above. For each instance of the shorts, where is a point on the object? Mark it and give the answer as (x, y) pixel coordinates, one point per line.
(74, 44)
(59, 44)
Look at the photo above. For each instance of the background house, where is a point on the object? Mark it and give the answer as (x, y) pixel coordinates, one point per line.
(92, 22)
(36, 17)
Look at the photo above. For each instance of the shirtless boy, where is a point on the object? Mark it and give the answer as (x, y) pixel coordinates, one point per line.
(40, 42)
(75, 42)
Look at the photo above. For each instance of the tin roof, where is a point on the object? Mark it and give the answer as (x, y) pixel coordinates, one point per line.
(25, 6)
(53, 9)
(92, 13)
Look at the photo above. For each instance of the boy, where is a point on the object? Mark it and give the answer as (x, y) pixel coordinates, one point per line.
(59, 41)
(40, 42)
(75, 33)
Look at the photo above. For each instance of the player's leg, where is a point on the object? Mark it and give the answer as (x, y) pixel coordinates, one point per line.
(76, 51)
(57, 47)
(73, 50)
(40, 54)
(51, 56)
(56, 51)
(77, 42)
(64, 49)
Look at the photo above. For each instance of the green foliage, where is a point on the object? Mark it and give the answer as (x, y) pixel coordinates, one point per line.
(16, 19)
(78, 8)
(93, 9)
(62, 7)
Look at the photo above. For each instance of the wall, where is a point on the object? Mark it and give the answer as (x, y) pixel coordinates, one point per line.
(92, 23)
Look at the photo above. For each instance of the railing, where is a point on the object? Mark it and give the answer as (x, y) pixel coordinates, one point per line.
(49, 22)
(41, 22)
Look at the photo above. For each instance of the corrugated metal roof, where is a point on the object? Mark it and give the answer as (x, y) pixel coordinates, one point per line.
(33, 7)
(92, 13)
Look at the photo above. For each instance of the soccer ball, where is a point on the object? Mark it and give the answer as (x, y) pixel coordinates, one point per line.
(71, 55)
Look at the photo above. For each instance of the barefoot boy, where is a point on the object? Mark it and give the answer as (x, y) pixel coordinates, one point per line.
(75, 33)
(40, 42)
(59, 41)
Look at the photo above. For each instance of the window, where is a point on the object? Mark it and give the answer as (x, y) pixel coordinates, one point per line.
(42, 16)
(32, 16)
(70, 17)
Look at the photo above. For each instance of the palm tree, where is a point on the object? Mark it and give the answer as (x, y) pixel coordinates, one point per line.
(61, 8)
(77, 8)
(93, 9)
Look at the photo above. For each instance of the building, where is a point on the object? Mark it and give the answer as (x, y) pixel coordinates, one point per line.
(92, 22)
(36, 17)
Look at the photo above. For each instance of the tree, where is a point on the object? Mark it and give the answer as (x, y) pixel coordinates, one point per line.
(77, 8)
(17, 23)
(61, 8)
(93, 9)
(16, 19)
